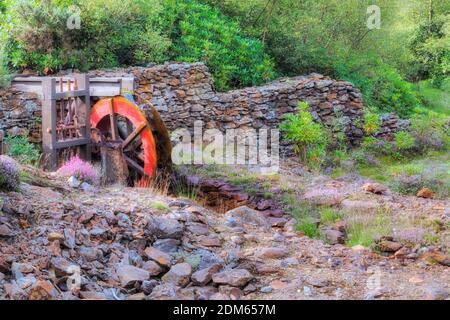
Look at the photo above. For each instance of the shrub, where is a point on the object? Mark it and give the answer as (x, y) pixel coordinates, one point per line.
(329, 216)
(404, 141)
(430, 131)
(308, 227)
(19, 148)
(372, 122)
(201, 33)
(9, 174)
(309, 137)
(382, 86)
(80, 169)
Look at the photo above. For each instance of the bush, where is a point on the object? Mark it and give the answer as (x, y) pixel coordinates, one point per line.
(372, 122)
(80, 169)
(309, 138)
(19, 148)
(112, 34)
(404, 141)
(201, 33)
(382, 86)
(430, 131)
(9, 174)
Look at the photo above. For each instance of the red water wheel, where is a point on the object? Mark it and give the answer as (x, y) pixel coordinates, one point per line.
(120, 120)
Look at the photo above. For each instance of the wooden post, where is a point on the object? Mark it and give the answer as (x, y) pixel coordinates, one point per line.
(114, 165)
(85, 113)
(49, 123)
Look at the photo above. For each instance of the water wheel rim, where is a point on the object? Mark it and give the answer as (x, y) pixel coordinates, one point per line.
(127, 109)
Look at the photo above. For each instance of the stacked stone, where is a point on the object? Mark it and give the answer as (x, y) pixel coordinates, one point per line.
(20, 114)
(390, 124)
(184, 93)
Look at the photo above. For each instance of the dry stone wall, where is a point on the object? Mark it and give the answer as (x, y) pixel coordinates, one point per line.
(184, 93)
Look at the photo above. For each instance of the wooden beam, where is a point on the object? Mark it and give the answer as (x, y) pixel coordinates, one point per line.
(133, 135)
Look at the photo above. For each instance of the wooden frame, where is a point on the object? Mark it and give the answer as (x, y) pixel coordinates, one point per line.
(50, 99)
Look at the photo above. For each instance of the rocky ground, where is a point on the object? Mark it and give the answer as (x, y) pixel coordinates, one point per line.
(123, 243)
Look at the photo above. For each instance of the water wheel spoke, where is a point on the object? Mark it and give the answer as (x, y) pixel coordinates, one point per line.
(134, 165)
(134, 134)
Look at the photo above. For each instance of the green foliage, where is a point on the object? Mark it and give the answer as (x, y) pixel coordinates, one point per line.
(430, 131)
(202, 33)
(309, 228)
(372, 122)
(404, 140)
(383, 87)
(19, 148)
(112, 33)
(329, 215)
(309, 137)
(430, 48)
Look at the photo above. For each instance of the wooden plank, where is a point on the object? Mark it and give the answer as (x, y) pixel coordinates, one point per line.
(71, 143)
(73, 93)
(99, 86)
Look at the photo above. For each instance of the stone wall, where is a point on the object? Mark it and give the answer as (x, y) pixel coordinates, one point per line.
(185, 92)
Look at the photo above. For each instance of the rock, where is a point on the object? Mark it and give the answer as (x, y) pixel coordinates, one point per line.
(289, 262)
(167, 245)
(178, 274)
(69, 238)
(266, 289)
(18, 269)
(334, 236)
(164, 228)
(271, 253)
(5, 231)
(389, 246)
(148, 285)
(278, 285)
(207, 258)
(230, 292)
(73, 182)
(165, 291)
(43, 290)
(425, 193)
(52, 236)
(62, 267)
(401, 253)
(5, 264)
(204, 276)
(134, 258)
(376, 188)
(440, 258)
(162, 258)
(233, 277)
(152, 267)
(86, 187)
(128, 275)
(341, 226)
(90, 254)
(243, 216)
